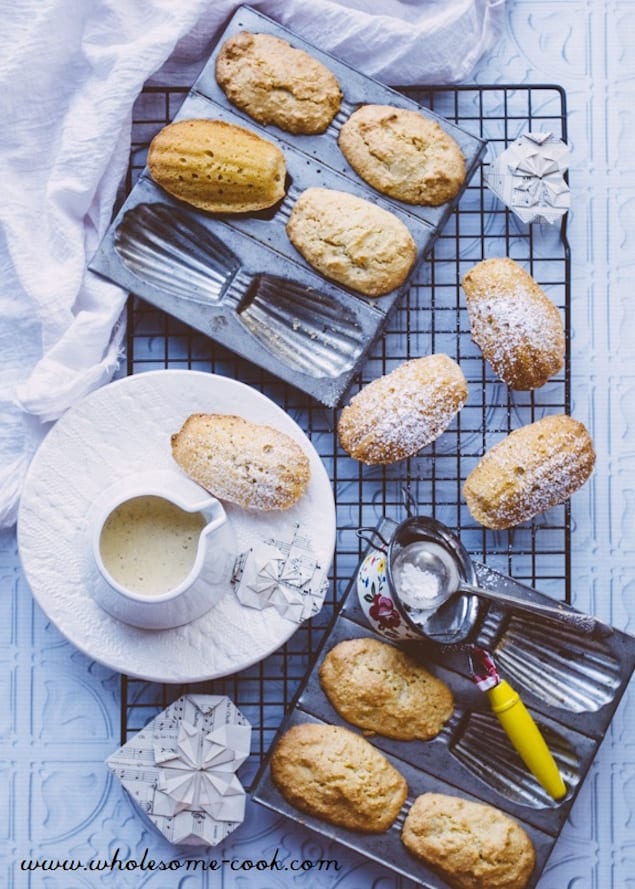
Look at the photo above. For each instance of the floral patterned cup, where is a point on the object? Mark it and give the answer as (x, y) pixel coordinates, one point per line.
(452, 622)
(376, 601)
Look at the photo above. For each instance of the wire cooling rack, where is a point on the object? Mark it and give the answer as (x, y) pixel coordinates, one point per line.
(431, 318)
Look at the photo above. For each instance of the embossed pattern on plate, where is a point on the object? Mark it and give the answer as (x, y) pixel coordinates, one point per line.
(116, 432)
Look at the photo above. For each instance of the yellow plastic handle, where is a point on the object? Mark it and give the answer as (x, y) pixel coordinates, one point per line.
(525, 735)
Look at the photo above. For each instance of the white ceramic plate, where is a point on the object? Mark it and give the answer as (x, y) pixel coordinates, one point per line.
(115, 432)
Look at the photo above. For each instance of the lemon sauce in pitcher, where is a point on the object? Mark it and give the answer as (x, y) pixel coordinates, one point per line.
(149, 545)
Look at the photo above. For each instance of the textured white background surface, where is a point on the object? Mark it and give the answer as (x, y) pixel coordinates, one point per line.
(60, 716)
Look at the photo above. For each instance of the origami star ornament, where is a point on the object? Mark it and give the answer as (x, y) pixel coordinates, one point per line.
(181, 769)
(529, 177)
(199, 774)
(281, 574)
(267, 580)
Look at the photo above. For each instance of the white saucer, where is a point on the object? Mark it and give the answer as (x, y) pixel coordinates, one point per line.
(122, 429)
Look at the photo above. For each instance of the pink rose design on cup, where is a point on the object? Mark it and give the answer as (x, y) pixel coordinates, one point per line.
(384, 612)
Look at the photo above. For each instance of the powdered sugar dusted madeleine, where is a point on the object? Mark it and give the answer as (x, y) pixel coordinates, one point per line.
(336, 774)
(472, 845)
(257, 467)
(533, 469)
(276, 83)
(217, 166)
(351, 240)
(384, 691)
(513, 321)
(398, 414)
(403, 154)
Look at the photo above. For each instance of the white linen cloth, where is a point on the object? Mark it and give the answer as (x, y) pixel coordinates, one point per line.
(70, 71)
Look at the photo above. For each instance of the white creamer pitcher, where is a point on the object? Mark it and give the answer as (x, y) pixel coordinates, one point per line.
(163, 550)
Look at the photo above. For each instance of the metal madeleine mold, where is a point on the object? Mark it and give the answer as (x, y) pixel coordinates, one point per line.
(483, 748)
(237, 277)
(548, 663)
(309, 329)
(167, 248)
(571, 682)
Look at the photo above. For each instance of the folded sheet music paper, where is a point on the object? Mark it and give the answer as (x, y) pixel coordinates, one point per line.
(181, 769)
(281, 574)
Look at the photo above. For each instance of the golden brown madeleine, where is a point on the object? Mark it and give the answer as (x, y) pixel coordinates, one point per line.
(217, 166)
(277, 84)
(472, 845)
(351, 240)
(403, 154)
(515, 324)
(254, 466)
(531, 470)
(335, 774)
(383, 691)
(396, 415)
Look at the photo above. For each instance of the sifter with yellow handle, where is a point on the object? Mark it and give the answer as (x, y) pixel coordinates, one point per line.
(517, 722)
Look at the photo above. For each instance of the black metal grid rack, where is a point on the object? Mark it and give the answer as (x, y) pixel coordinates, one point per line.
(432, 318)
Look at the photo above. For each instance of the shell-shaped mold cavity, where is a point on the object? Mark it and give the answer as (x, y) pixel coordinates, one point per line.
(561, 667)
(309, 330)
(171, 251)
(484, 749)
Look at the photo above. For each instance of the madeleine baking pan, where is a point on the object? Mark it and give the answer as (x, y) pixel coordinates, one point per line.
(570, 682)
(237, 277)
